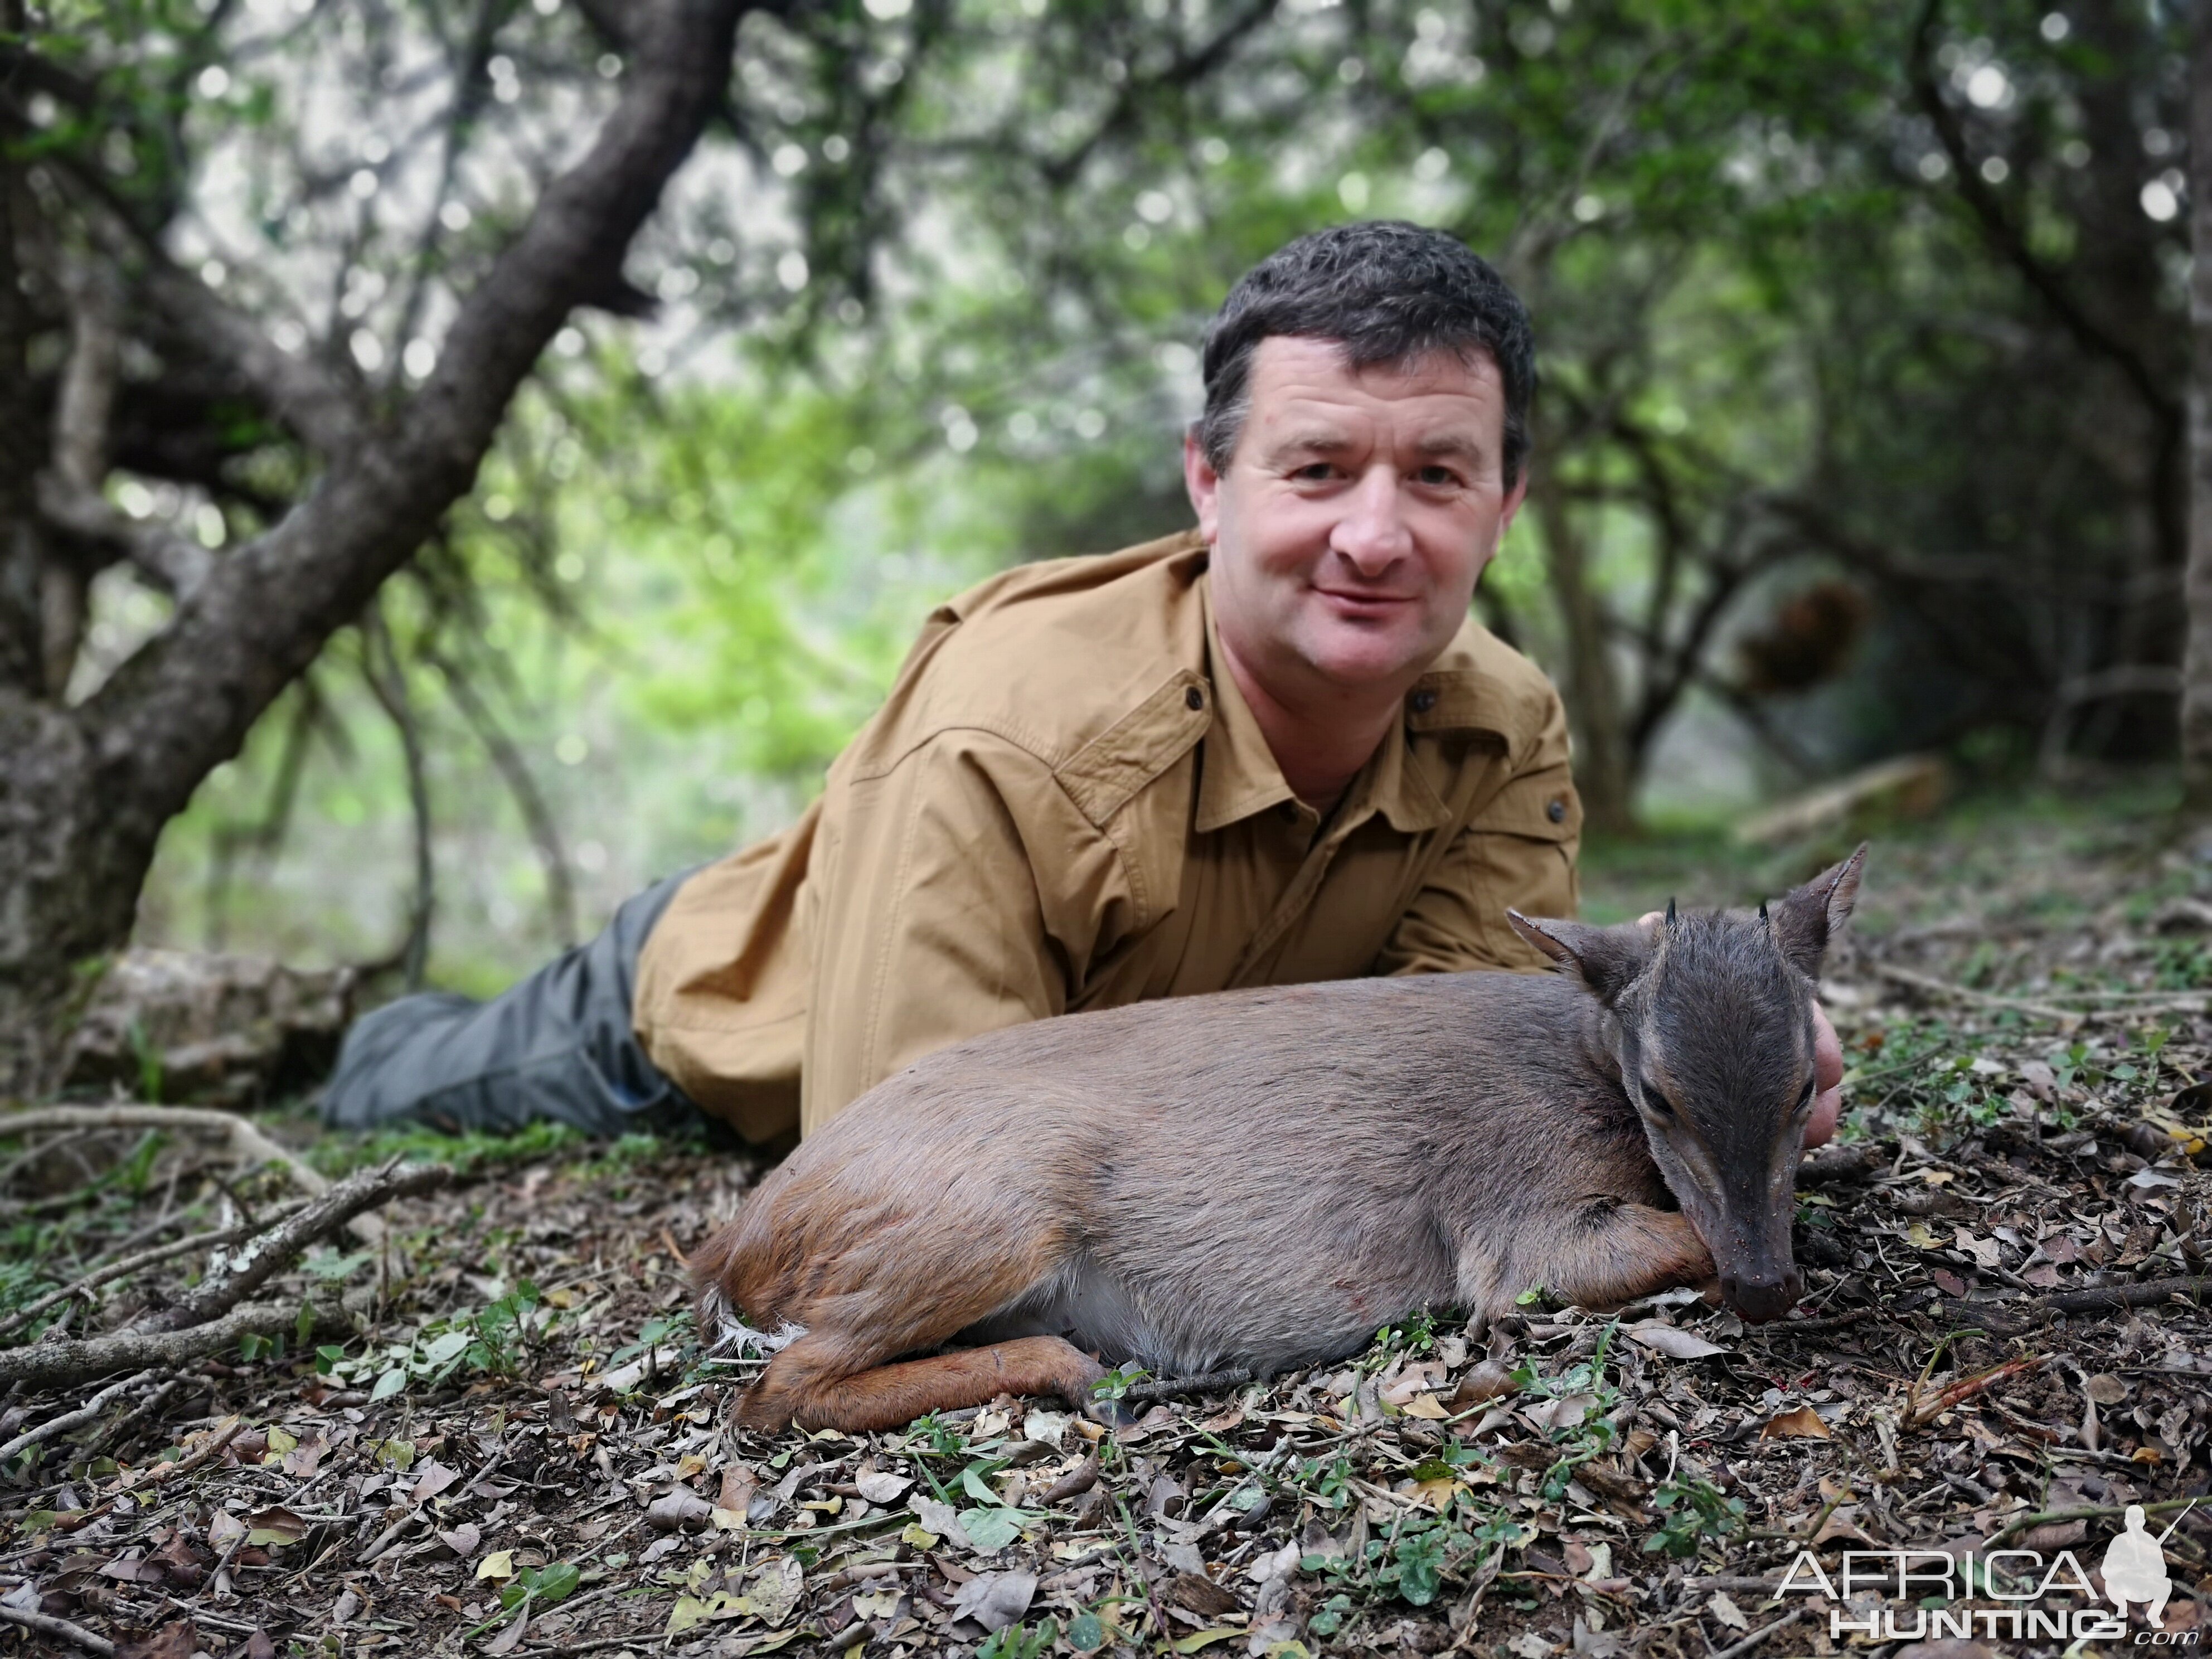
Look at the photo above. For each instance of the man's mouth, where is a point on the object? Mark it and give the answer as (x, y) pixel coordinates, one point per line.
(1360, 603)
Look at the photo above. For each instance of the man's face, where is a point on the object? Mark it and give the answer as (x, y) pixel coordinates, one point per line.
(1354, 517)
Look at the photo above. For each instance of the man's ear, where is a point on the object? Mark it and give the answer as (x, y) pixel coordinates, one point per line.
(1812, 916)
(1606, 959)
(1203, 483)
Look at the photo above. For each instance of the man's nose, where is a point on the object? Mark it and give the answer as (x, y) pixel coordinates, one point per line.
(1372, 536)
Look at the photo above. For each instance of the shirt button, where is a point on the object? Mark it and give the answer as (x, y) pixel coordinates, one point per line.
(1194, 699)
(1423, 702)
(1556, 811)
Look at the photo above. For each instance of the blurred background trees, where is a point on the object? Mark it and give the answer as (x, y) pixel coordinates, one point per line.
(1864, 339)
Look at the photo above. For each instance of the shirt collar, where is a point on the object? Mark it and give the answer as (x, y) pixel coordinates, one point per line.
(1239, 776)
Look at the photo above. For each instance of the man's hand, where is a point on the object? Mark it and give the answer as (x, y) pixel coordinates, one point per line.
(1828, 1078)
(1828, 1067)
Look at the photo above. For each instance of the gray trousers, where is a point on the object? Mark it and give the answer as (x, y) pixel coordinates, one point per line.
(558, 1045)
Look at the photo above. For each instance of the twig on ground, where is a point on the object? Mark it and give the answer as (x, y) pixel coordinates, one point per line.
(60, 1628)
(162, 1472)
(1927, 1411)
(247, 1142)
(2020, 1523)
(1943, 988)
(271, 1252)
(76, 1419)
(1171, 1387)
(1735, 1650)
(56, 1364)
(131, 1264)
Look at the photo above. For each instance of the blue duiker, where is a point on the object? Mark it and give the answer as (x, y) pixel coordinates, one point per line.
(1259, 1179)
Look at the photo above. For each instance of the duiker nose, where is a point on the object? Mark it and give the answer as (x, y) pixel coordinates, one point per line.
(1758, 1297)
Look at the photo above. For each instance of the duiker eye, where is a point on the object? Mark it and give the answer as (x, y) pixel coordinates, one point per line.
(1805, 1098)
(1655, 1103)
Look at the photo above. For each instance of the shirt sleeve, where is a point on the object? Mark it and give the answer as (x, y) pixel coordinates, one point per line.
(966, 892)
(1517, 852)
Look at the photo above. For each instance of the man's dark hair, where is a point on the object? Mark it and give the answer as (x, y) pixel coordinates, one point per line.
(1392, 294)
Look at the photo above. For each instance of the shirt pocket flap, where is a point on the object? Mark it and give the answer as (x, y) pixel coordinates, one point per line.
(1541, 808)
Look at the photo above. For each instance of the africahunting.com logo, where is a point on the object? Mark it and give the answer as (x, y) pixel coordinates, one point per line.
(1910, 1595)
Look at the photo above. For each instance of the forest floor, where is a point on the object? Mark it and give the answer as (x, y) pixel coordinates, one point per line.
(518, 1446)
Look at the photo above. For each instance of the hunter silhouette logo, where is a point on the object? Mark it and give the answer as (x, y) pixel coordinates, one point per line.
(2134, 1567)
(1933, 1588)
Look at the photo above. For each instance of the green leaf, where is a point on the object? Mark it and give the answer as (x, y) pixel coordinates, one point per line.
(387, 1385)
(991, 1530)
(446, 1347)
(1086, 1633)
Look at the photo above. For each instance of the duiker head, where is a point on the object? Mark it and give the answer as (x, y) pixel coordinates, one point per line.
(1713, 1024)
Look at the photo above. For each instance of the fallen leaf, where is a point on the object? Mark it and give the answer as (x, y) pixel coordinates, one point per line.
(1427, 1408)
(1201, 1596)
(2062, 1247)
(225, 1529)
(1803, 1424)
(2043, 1276)
(1984, 1251)
(304, 1459)
(775, 1590)
(510, 1638)
(881, 1487)
(180, 1640)
(995, 1600)
(1566, 1411)
(1949, 1283)
(348, 1604)
(275, 1528)
(1723, 1607)
(1485, 1382)
(1044, 1428)
(500, 1563)
(678, 1508)
(1920, 1238)
(434, 1478)
(1207, 1638)
(1672, 1340)
(2107, 1390)
(941, 1519)
(464, 1540)
(1529, 1646)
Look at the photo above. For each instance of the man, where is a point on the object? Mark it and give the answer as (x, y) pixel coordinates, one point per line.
(1273, 749)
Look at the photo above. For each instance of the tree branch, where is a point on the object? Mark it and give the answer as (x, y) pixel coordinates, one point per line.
(2011, 243)
(272, 1251)
(53, 1365)
(184, 702)
(247, 1143)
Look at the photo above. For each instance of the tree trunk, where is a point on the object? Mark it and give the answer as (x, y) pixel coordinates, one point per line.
(1592, 697)
(2196, 663)
(86, 790)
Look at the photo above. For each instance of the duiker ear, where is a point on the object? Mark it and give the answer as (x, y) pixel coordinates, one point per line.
(1814, 914)
(1604, 958)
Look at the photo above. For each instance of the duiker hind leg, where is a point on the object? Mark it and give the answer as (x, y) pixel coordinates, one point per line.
(1602, 1254)
(817, 1383)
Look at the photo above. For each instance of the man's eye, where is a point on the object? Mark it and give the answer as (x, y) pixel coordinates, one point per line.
(1437, 477)
(1314, 472)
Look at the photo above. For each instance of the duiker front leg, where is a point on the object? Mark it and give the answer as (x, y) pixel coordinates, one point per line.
(821, 1383)
(1597, 1254)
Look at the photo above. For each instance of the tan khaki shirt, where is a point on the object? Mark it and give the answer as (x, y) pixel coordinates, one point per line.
(1064, 805)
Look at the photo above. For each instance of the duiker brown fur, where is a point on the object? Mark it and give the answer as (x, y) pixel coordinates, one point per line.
(1261, 1178)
